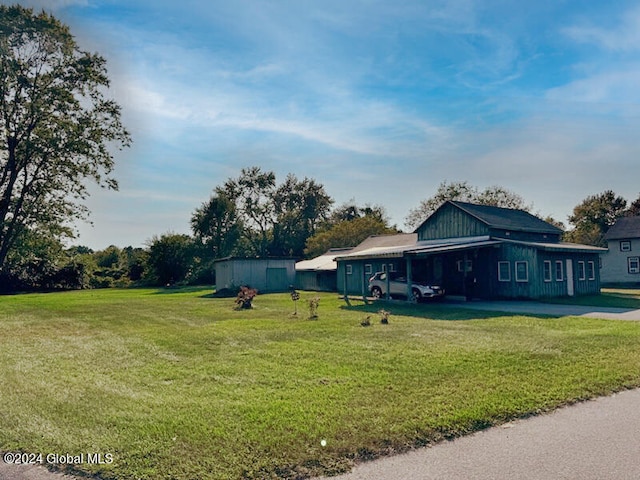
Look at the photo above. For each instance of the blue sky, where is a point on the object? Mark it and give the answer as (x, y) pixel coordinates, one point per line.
(380, 101)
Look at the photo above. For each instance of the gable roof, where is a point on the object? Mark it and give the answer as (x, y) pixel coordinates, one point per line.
(625, 227)
(506, 218)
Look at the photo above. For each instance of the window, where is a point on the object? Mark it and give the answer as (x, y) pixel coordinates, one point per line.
(581, 271)
(559, 271)
(522, 271)
(547, 271)
(591, 270)
(504, 271)
(368, 269)
(625, 245)
(392, 267)
(633, 264)
(349, 269)
(469, 265)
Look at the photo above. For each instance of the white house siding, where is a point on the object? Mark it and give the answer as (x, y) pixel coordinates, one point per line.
(615, 263)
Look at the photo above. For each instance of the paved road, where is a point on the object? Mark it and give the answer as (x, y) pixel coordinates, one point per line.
(30, 472)
(595, 440)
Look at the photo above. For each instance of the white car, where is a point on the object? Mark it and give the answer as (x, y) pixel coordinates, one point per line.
(398, 287)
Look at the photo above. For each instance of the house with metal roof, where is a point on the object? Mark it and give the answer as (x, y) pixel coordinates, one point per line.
(621, 263)
(480, 251)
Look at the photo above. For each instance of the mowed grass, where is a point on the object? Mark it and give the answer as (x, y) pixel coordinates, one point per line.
(178, 385)
(609, 297)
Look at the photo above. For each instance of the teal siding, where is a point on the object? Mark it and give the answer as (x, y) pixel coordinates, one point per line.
(451, 222)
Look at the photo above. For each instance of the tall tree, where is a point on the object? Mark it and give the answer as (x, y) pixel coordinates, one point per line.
(464, 192)
(592, 218)
(171, 258)
(300, 207)
(216, 224)
(348, 233)
(253, 193)
(634, 208)
(57, 128)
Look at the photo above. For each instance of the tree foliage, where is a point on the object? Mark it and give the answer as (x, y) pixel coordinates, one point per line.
(57, 128)
(464, 192)
(347, 233)
(594, 216)
(252, 215)
(171, 258)
(217, 226)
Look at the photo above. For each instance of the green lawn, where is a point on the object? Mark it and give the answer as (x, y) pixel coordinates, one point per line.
(609, 297)
(178, 385)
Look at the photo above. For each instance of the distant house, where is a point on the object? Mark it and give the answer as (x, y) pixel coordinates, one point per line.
(480, 251)
(621, 263)
(264, 274)
(319, 273)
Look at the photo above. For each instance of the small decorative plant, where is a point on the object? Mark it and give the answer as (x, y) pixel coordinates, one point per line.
(384, 316)
(313, 308)
(245, 297)
(295, 296)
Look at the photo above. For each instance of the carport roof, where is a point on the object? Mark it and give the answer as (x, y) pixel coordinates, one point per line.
(430, 247)
(422, 248)
(560, 246)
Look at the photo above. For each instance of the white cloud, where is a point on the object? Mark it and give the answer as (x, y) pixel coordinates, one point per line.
(623, 36)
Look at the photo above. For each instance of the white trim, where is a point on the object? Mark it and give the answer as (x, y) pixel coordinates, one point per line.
(636, 267)
(526, 271)
(368, 269)
(582, 270)
(559, 278)
(625, 245)
(591, 269)
(349, 269)
(500, 277)
(547, 278)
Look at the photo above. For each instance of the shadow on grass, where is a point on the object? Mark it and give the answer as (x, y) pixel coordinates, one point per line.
(432, 311)
(182, 289)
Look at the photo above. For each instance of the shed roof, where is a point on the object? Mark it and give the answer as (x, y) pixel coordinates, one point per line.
(506, 218)
(625, 227)
(324, 262)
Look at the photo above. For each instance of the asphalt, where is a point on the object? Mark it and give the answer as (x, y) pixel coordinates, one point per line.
(594, 440)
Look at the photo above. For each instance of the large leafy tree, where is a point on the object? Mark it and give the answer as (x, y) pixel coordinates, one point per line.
(253, 215)
(300, 207)
(594, 216)
(252, 193)
(57, 127)
(217, 226)
(464, 192)
(351, 231)
(634, 208)
(171, 258)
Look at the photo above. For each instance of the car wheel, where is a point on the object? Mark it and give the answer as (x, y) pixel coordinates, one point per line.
(376, 292)
(415, 295)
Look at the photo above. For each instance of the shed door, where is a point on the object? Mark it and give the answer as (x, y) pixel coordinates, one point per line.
(276, 279)
(570, 289)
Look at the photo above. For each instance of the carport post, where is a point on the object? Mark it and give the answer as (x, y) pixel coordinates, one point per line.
(409, 280)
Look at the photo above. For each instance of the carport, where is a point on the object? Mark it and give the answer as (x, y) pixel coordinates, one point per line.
(452, 263)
